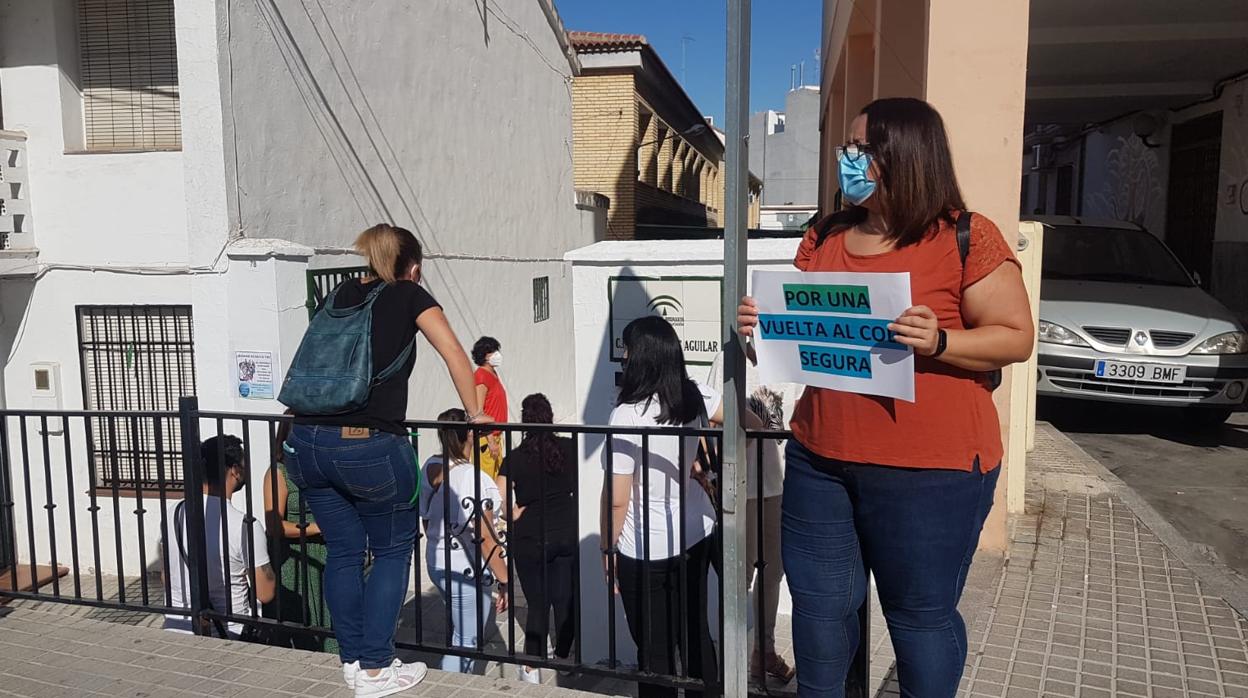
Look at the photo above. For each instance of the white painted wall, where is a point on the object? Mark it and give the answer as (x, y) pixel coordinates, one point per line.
(436, 118)
(596, 393)
(92, 208)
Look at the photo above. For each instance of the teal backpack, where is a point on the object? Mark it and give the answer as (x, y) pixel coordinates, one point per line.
(333, 369)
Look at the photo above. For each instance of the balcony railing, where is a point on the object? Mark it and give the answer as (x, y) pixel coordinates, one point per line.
(107, 549)
(15, 223)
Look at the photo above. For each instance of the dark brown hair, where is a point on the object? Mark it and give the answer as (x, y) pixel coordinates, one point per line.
(536, 409)
(454, 438)
(390, 250)
(917, 185)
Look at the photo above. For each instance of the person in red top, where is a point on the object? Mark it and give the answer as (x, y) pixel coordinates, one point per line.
(900, 488)
(487, 354)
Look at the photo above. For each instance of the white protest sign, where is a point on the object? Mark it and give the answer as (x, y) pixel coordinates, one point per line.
(830, 330)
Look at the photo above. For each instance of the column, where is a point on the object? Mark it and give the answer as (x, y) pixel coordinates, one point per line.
(979, 87)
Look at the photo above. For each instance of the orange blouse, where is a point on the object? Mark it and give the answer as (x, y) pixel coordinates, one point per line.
(952, 419)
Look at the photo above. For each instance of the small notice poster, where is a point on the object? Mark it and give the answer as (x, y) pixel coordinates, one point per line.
(255, 375)
(830, 330)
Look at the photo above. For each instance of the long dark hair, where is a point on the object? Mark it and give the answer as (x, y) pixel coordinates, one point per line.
(917, 185)
(535, 409)
(655, 370)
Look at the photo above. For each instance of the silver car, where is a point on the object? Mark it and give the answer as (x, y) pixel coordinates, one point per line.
(1122, 321)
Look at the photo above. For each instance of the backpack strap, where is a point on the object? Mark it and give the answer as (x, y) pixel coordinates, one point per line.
(991, 378)
(964, 236)
(179, 524)
(352, 310)
(396, 365)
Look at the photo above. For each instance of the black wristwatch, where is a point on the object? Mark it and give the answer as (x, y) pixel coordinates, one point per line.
(942, 343)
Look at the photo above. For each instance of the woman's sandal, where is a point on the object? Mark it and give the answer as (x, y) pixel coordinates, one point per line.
(777, 669)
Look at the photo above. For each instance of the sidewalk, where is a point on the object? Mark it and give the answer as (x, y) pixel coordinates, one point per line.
(1097, 597)
(1091, 602)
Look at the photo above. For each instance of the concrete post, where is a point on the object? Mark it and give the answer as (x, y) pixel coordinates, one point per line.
(979, 88)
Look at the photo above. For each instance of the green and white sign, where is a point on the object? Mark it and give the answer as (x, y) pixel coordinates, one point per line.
(830, 330)
(691, 303)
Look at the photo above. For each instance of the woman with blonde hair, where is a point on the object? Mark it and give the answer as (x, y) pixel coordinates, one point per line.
(357, 469)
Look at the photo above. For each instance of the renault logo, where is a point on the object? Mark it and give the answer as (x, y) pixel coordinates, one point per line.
(1141, 338)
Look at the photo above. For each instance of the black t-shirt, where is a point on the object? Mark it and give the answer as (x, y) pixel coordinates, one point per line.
(526, 472)
(394, 325)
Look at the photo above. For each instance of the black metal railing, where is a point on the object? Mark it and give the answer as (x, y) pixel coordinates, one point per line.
(85, 530)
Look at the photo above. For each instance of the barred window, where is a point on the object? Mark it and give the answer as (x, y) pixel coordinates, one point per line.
(136, 358)
(129, 75)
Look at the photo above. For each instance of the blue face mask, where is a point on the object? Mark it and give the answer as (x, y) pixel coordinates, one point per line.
(855, 185)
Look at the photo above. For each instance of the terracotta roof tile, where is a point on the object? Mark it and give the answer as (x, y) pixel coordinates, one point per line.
(601, 41)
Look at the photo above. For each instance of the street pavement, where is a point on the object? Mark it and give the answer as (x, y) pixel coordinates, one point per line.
(1197, 479)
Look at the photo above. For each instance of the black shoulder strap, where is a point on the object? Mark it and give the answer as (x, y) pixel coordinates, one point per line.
(991, 378)
(964, 236)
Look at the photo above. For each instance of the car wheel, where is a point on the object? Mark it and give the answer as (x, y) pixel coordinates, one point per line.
(1204, 417)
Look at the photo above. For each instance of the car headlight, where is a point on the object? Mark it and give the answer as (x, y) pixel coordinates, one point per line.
(1056, 334)
(1225, 343)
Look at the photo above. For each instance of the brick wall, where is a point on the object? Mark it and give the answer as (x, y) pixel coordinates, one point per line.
(604, 128)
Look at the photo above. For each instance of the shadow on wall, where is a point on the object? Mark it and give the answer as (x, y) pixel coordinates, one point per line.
(384, 188)
(15, 297)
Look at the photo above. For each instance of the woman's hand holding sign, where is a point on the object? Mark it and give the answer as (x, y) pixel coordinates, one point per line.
(747, 316)
(917, 328)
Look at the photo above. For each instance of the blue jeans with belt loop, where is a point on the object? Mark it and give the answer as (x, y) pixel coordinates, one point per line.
(362, 492)
(915, 529)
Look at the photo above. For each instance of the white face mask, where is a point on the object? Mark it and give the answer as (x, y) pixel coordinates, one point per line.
(496, 359)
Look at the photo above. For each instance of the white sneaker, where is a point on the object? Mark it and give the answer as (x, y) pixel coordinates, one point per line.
(393, 679)
(349, 671)
(528, 675)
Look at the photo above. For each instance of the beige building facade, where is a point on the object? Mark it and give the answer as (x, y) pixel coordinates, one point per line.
(640, 141)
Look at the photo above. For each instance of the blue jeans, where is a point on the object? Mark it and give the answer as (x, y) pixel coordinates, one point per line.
(468, 610)
(916, 530)
(361, 491)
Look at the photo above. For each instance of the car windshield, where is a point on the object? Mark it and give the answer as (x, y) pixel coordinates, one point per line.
(1088, 253)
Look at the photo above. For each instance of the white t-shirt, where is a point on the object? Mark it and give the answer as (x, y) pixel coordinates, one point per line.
(663, 498)
(241, 547)
(462, 494)
(774, 405)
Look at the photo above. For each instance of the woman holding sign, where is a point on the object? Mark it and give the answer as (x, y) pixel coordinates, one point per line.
(902, 488)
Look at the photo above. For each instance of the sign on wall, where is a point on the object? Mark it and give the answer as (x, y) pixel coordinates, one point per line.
(830, 330)
(691, 303)
(255, 373)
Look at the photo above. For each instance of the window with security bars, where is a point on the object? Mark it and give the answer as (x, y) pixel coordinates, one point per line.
(137, 358)
(129, 75)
